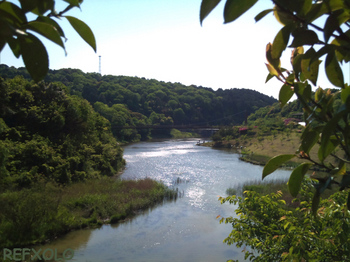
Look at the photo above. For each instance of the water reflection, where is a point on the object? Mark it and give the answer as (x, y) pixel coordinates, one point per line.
(74, 240)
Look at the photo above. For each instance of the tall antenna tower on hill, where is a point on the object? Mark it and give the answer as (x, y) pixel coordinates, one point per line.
(99, 64)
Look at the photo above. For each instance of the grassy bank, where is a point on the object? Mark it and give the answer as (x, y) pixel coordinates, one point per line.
(46, 211)
(259, 149)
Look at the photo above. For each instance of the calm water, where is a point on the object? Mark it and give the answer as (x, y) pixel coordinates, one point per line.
(184, 230)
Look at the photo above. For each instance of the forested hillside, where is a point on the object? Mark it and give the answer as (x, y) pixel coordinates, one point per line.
(273, 115)
(45, 133)
(127, 100)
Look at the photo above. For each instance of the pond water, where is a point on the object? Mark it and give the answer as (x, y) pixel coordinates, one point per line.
(181, 230)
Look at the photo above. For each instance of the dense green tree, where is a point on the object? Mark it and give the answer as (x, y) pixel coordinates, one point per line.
(46, 133)
(119, 115)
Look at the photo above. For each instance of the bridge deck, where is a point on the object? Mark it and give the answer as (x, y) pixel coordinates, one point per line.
(118, 127)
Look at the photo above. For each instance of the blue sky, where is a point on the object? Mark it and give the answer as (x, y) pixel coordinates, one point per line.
(163, 40)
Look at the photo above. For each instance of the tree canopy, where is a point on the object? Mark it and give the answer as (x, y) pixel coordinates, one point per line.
(139, 101)
(45, 133)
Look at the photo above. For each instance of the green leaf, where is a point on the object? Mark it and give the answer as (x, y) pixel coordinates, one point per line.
(324, 50)
(295, 60)
(315, 203)
(330, 128)
(14, 45)
(280, 42)
(269, 76)
(2, 43)
(322, 8)
(262, 14)
(73, 2)
(34, 56)
(12, 14)
(297, 64)
(272, 70)
(206, 7)
(275, 163)
(28, 5)
(323, 184)
(46, 30)
(290, 79)
(333, 70)
(341, 46)
(6, 30)
(310, 138)
(327, 146)
(235, 8)
(52, 22)
(282, 17)
(319, 94)
(299, 89)
(345, 92)
(285, 94)
(296, 178)
(334, 21)
(43, 6)
(274, 62)
(83, 30)
(304, 37)
(305, 8)
(340, 170)
(307, 92)
(310, 71)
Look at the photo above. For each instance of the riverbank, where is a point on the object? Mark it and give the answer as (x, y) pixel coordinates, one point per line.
(47, 211)
(258, 150)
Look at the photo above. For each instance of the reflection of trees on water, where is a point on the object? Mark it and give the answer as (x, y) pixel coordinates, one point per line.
(73, 240)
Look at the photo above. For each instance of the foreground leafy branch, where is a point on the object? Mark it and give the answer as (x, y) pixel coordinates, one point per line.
(326, 125)
(15, 31)
(270, 232)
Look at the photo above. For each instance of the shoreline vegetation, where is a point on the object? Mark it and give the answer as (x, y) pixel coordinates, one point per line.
(59, 163)
(61, 209)
(263, 188)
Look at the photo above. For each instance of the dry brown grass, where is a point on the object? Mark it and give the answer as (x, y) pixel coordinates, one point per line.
(271, 146)
(144, 184)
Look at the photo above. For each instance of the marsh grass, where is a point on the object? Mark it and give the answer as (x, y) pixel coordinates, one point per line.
(179, 180)
(262, 187)
(265, 187)
(46, 211)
